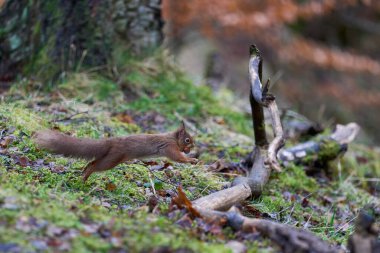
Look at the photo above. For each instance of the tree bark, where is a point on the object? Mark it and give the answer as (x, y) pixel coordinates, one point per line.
(48, 38)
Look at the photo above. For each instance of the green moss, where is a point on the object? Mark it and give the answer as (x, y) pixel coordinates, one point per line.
(52, 209)
(117, 199)
(329, 149)
(23, 119)
(294, 178)
(91, 88)
(165, 89)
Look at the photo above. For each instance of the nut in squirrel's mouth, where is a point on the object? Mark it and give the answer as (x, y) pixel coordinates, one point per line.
(186, 150)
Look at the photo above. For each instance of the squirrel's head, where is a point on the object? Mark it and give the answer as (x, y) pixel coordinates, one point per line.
(184, 140)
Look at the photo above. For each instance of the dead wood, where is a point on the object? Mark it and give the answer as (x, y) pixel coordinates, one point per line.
(224, 199)
(242, 187)
(345, 134)
(263, 161)
(322, 151)
(264, 157)
(279, 141)
(256, 98)
(258, 175)
(290, 239)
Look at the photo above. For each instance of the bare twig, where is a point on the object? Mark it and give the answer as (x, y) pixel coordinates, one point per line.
(224, 199)
(324, 150)
(278, 142)
(259, 97)
(290, 239)
(255, 96)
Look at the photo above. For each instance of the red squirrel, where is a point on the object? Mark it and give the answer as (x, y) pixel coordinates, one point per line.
(109, 152)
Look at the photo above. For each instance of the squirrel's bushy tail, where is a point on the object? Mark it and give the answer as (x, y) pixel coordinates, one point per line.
(70, 146)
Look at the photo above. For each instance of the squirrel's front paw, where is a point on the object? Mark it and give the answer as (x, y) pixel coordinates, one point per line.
(193, 160)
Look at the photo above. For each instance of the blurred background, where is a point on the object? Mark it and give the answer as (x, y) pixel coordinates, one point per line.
(322, 56)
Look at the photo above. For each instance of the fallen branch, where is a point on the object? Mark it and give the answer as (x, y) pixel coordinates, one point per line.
(262, 161)
(224, 199)
(279, 141)
(290, 239)
(256, 98)
(322, 151)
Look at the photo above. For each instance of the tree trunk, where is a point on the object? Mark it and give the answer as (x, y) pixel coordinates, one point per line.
(48, 38)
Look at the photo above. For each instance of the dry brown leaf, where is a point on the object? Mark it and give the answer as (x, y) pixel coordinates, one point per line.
(110, 186)
(5, 142)
(123, 117)
(182, 201)
(58, 169)
(23, 161)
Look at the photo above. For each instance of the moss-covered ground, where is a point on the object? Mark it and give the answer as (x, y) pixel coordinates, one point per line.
(45, 206)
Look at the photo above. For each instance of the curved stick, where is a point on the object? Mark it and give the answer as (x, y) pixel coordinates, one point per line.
(255, 96)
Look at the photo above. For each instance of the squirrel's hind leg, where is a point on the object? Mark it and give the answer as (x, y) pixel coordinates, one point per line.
(105, 163)
(88, 170)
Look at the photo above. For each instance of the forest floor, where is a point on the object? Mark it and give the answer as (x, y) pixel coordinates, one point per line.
(45, 206)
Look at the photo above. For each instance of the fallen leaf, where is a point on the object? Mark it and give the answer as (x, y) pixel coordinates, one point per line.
(54, 242)
(361, 159)
(150, 163)
(152, 202)
(23, 161)
(253, 211)
(110, 186)
(305, 202)
(5, 142)
(220, 121)
(183, 202)
(125, 118)
(163, 193)
(58, 169)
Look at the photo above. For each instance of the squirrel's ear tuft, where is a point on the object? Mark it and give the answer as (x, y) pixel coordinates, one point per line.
(182, 125)
(181, 129)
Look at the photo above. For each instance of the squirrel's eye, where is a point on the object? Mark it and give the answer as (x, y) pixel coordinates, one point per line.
(187, 140)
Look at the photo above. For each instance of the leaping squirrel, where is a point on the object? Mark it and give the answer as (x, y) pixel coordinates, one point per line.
(107, 153)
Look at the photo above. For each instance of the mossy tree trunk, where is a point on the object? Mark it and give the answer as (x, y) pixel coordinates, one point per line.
(48, 38)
